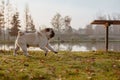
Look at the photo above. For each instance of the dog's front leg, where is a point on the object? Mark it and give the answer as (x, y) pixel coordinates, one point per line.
(50, 48)
(45, 49)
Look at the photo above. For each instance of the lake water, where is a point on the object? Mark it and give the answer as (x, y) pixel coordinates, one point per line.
(84, 46)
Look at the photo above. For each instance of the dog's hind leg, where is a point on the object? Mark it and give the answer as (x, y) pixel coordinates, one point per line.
(15, 50)
(24, 49)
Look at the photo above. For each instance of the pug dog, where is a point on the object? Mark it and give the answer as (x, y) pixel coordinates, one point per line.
(36, 39)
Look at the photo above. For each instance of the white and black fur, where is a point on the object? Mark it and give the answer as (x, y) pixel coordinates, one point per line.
(37, 39)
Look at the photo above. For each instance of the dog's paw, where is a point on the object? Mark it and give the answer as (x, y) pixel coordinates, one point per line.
(45, 54)
(55, 52)
(27, 55)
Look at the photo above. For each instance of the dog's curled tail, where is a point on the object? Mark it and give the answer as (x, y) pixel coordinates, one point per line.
(20, 33)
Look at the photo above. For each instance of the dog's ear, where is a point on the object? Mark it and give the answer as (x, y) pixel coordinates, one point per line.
(52, 34)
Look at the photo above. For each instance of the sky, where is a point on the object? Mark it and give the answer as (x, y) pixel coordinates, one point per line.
(82, 12)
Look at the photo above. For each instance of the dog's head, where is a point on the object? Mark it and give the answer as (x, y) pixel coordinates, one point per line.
(49, 33)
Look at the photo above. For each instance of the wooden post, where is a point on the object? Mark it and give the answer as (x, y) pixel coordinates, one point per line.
(107, 36)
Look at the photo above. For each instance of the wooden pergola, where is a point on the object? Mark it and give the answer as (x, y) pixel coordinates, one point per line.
(106, 23)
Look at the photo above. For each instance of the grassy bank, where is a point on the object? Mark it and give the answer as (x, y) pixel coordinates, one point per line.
(63, 66)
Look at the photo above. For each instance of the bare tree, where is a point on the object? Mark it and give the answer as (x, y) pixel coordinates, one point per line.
(31, 24)
(1, 22)
(67, 21)
(9, 12)
(1, 15)
(57, 22)
(30, 27)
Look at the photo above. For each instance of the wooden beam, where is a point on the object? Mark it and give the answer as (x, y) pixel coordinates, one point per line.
(107, 37)
(102, 22)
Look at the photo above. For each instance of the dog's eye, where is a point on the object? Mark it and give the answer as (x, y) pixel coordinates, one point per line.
(47, 29)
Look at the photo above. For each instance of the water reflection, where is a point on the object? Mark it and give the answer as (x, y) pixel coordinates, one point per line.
(70, 47)
(86, 46)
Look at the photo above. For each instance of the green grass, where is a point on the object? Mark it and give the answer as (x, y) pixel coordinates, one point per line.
(63, 66)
